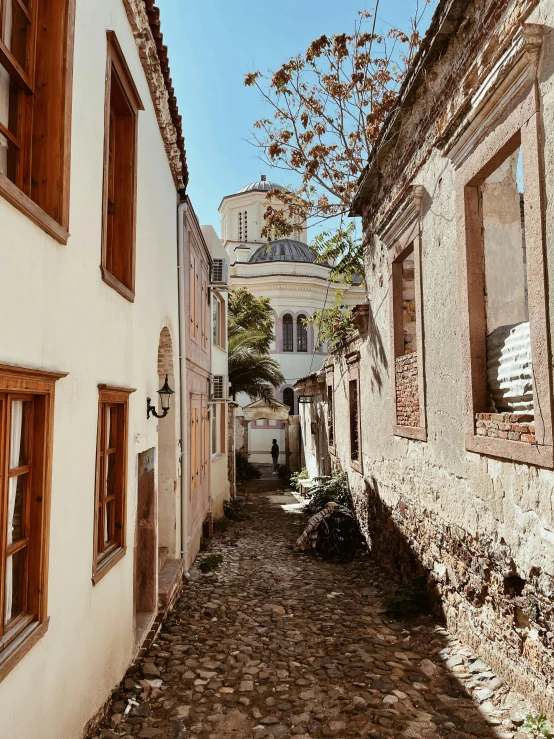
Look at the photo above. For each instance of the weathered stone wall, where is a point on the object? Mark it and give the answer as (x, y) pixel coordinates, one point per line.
(480, 526)
(407, 391)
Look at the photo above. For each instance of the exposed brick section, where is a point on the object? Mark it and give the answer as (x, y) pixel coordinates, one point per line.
(512, 426)
(165, 353)
(407, 391)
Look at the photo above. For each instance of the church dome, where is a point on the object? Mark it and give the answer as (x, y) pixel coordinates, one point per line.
(262, 185)
(285, 250)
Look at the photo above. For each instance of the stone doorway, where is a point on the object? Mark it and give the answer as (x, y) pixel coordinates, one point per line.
(259, 410)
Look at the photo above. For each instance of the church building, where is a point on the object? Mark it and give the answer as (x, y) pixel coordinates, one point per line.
(285, 272)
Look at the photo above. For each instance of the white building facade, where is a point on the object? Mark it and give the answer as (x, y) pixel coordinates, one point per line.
(285, 272)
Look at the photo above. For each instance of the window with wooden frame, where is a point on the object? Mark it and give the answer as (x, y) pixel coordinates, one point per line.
(401, 236)
(195, 417)
(500, 207)
(26, 425)
(354, 418)
(330, 411)
(36, 66)
(205, 308)
(301, 334)
(288, 342)
(111, 479)
(193, 295)
(205, 431)
(120, 173)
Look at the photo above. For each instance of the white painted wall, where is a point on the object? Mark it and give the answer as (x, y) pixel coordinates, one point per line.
(58, 314)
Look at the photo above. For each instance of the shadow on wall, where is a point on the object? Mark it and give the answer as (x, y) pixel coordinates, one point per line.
(377, 353)
(473, 583)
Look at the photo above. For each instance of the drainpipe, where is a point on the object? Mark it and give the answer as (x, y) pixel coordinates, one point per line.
(183, 373)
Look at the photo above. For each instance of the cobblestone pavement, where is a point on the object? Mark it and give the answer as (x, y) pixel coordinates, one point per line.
(278, 644)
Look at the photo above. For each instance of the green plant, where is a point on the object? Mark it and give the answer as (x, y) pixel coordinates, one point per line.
(245, 470)
(537, 726)
(407, 600)
(334, 324)
(221, 525)
(334, 489)
(210, 563)
(296, 477)
(233, 510)
(283, 472)
(204, 544)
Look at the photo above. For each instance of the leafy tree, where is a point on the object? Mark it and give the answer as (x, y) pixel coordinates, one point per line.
(252, 371)
(328, 105)
(252, 315)
(333, 324)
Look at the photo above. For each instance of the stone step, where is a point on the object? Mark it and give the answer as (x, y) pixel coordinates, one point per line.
(162, 557)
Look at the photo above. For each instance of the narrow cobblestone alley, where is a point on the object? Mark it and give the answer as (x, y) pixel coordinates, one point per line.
(277, 644)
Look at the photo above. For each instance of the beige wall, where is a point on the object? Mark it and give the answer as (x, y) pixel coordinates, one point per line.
(473, 521)
(58, 314)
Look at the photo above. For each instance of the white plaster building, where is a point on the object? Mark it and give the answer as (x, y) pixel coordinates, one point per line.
(286, 273)
(220, 483)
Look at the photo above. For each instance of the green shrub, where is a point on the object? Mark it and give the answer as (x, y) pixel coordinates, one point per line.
(334, 489)
(283, 472)
(245, 470)
(537, 726)
(296, 477)
(407, 600)
(234, 510)
(210, 563)
(204, 544)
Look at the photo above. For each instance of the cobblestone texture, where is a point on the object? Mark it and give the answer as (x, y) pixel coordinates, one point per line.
(277, 644)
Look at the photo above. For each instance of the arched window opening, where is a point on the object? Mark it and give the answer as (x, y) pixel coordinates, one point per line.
(288, 399)
(287, 333)
(301, 334)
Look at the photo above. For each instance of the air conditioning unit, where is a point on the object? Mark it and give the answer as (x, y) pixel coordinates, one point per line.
(219, 272)
(220, 387)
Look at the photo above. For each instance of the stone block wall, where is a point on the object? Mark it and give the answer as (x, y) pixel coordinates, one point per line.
(505, 617)
(407, 391)
(512, 426)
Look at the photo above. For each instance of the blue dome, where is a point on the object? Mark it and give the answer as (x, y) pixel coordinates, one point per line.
(285, 250)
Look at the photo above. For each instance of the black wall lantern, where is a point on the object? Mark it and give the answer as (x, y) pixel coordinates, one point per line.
(165, 393)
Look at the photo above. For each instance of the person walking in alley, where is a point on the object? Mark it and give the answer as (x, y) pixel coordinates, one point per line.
(275, 455)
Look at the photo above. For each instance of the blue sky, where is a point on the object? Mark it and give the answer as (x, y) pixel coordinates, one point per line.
(212, 44)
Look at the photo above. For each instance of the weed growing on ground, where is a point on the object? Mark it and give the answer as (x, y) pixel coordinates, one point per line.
(210, 563)
(204, 544)
(234, 509)
(407, 600)
(221, 525)
(537, 726)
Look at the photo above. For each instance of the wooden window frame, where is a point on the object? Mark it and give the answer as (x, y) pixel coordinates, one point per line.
(39, 385)
(204, 438)
(401, 234)
(519, 125)
(204, 308)
(330, 387)
(118, 71)
(353, 364)
(195, 447)
(44, 106)
(193, 297)
(109, 397)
